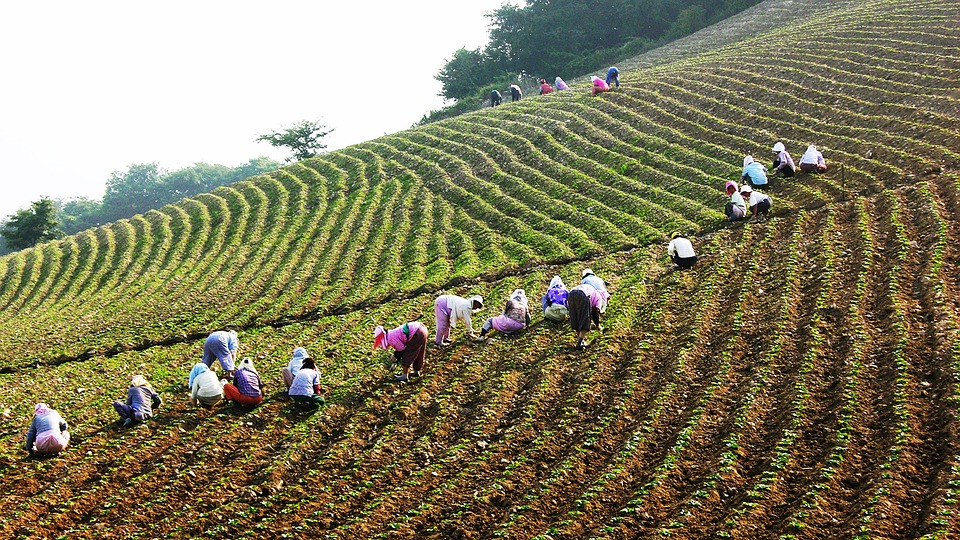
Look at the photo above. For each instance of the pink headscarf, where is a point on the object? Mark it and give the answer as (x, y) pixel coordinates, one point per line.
(40, 408)
(379, 338)
(731, 184)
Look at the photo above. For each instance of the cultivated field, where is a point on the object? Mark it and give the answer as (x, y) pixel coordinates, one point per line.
(800, 382)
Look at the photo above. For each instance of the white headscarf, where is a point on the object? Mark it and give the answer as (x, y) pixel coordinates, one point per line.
(747, 160)
(247, 364)
(519, 296)
(812, 155)
(556, 282)
(779, 147)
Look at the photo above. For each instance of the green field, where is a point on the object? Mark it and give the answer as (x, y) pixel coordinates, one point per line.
(800, 382)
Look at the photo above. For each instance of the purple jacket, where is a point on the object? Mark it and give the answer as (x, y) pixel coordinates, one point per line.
(143, 399)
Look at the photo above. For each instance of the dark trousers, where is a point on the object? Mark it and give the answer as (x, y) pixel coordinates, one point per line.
(685, 262)
(415, 350)
(761, 207)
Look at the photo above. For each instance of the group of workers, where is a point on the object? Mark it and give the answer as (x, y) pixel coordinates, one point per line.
(598, 85)
(583, 305)
(745, 202)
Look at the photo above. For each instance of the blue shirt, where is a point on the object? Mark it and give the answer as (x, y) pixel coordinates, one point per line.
(756, 172)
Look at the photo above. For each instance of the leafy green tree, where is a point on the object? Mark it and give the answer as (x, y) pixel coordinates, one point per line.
(463, 74)
(136, 190)
(30, 226)
(303, 139)
(253, 167)
(79, 213)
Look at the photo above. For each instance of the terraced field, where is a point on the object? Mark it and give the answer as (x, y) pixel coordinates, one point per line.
(800, 382)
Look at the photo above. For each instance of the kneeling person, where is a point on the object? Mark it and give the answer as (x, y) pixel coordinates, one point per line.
(247, 387)
(681, 251)
(48, 432)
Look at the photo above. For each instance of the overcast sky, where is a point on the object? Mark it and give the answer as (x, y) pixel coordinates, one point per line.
(92, 87)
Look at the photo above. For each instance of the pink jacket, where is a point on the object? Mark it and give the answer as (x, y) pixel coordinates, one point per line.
(398, 340)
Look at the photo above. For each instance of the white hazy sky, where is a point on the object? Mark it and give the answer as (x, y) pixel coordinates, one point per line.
(89, 88)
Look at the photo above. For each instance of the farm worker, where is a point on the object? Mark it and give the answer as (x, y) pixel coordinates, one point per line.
(205, 389)
(758, 203)
(515, 93)
(409, 341)
(583, 304)
(754, 172)
(598, 86)
(588, 277)
(560, 84)
(48, 432)
(812, 161)
(735, 208)
(141, 400)
(495, 98)
(545, 87)
(681, 251)
(783, 163)
(288, 373)
(555, 301)
(305, 389)
(247, 387)
(449, 309)
(221, 345)
(613, 76)
(515, 316)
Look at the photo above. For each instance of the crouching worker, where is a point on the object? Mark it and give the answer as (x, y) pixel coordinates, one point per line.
(681, 251)
(599, 86)
(812, 161)
(555, 301)
(48, 432)
(141, 400)
(735, 208)
(409, 342)
(247, 387)
(296, 362)
(449, 309)
(205, 388)
(757, 203)
(515, 316)
(585, 304)
(222, 346)
(305, 389)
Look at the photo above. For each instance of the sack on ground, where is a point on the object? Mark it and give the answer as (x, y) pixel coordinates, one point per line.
(555, 313)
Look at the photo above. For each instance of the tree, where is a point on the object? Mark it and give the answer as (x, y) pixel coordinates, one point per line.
(463, 74)
(33, 225)
(79, 213)
(302, 138)
(137, 190)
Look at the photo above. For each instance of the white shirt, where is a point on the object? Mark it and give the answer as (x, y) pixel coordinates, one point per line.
(206, 385)
(682, 247)
(461, 309)
(303, 383)
(756, 198)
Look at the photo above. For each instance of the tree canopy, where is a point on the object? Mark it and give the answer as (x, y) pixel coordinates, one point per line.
(145, 186)
(546, 38)
(302, 138)
(30, 226)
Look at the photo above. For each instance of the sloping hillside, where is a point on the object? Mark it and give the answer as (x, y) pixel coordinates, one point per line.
(801, 381)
